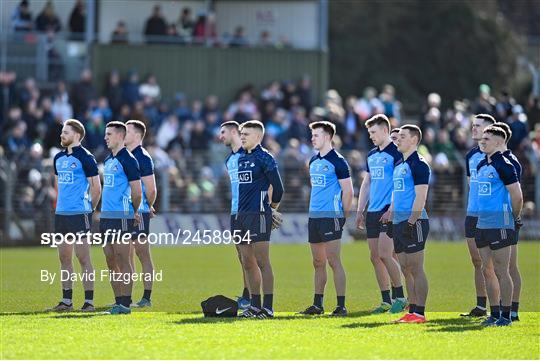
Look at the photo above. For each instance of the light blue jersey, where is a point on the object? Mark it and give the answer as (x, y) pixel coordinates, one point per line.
(494, 205)
(472, 159)
(408, 174)
(119, 171)
(325, 173)
(232, 168)
(73, 187)
(380, 165)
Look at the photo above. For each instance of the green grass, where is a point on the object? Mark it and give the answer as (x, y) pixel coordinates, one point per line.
(175, 328)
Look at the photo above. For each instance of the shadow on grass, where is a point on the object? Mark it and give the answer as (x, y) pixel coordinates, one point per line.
(27, 313)
(457, 324)
(206, 320)
(367, 324)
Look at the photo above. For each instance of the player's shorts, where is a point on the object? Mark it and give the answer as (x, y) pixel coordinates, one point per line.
(124, 225)
(495, 238)
(470, 226)
(515, 239)
(144, 226)
(234, 223)
(415, 244)
(374, 227)
(73, 223)
(259, 226)
(325, 229)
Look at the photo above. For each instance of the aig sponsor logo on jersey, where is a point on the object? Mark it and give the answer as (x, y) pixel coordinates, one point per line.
(65, 177)
(377, 172)
(108, 180)
(484, 188)
(474, 175)
(233, 174)
(318, 180)
(399, 185)
(244, 177)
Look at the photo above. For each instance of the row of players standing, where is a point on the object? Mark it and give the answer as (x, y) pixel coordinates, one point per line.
(129, 192)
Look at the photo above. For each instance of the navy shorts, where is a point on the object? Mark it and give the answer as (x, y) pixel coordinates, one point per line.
(495, 238)
(144, 226)
(325, 229)
(374, 227)
(470, 226)
(515, 240)
(417, 243)
(73, 223)
(124, 225)
(258, 225)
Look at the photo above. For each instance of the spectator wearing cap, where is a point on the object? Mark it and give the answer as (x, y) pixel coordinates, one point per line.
(47, 20)
(21, 19)
(518, 124)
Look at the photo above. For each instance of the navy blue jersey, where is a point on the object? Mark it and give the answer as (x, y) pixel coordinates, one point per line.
(119, 171)
(380, 165)
(473, 158)
(254, 169)
(325, 173)
(73, 187)
(515, 162)
(146, 167)
(494, 206)
(232, 168)
(408, 174)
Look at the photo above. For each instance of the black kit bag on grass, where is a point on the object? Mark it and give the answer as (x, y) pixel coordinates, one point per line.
(219, 306)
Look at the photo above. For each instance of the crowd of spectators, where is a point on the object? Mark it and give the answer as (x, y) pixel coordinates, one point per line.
(187, 29)
(182, 131)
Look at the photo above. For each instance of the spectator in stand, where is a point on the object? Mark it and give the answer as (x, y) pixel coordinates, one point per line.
(277, 126)
(77, 20)
(299, 128)
(103, 110)
(82, 93)
(95, 129)
(518, 124)
(196, 110)
(392, 107)
(205, 28)
(432, 117)
(167, 131)
(238, 39)
(16, 143)
(504, 106)
(61, 107)
(427, 147)
(181, 107)
(52, 137)
(150, 112)
(47, 117)
(355, 131)
(272, 94)
(200, 137)
(533, 111)
(28, 92)
(265, 41)
(369, 105)
(485, 103)
(185, 25)
(8, 93)
(130, 89)
(47, 20)
(304, 92)
(150, 88)
(208, 189)
(14, 116)
(445, 152)
(461, 141)
(21, 19)
(55, 67)
(120, 34)
(155, 25)
(211, 105)
(113, 92)
(242, 110)
(31, 116)
(193, 194)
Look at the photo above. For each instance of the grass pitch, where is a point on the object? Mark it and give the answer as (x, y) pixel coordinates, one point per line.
(175, 328)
